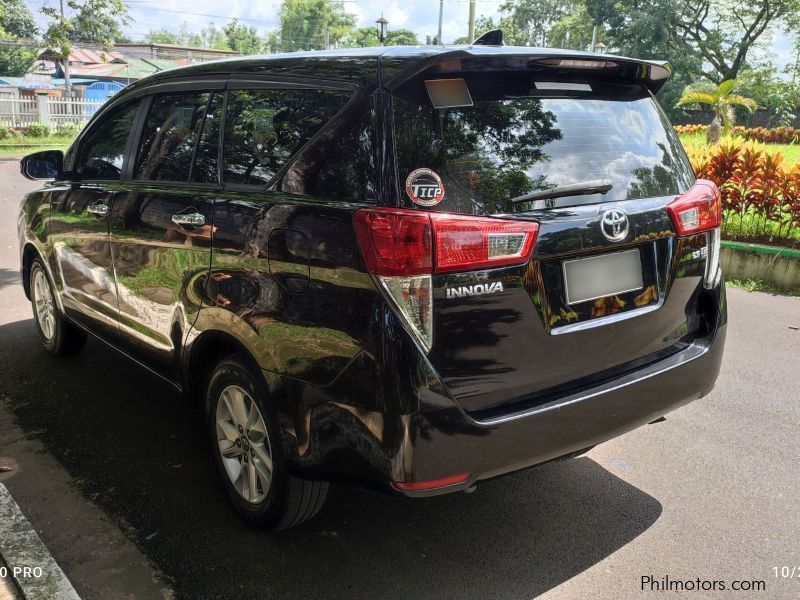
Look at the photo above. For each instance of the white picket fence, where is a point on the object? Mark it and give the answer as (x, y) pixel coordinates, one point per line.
(46, 110)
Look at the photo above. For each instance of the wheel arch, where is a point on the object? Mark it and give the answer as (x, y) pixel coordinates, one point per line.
(203, 352)
(31, 252)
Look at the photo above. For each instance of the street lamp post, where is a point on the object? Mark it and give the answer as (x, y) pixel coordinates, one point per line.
(382, 23)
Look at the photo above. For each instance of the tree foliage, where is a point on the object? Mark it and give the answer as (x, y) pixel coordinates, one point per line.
(89, 27)
(16, 27)
(311, 25)
(98, 13)
(243, 39)
(531, 21)
(720, 98)
(723, 32)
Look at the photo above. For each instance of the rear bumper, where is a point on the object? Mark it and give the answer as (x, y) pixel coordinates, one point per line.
(445, 441)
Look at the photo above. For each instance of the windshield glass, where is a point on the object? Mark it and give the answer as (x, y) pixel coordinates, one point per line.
(514, 133)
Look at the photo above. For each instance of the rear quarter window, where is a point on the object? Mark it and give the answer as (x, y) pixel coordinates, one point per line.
(264, 128)
(515, 139)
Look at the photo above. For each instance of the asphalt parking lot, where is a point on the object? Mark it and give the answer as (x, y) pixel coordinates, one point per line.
(711, 493)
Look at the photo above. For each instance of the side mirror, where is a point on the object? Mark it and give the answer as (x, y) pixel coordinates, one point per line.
(45, 165)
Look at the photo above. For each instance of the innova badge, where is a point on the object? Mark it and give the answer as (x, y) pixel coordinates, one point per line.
(424, 187)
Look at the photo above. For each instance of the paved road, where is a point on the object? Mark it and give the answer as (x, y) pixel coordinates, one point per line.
(711, 493)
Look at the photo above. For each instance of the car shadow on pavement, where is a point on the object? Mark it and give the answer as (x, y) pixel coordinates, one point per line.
(138, 450)
(9, 277)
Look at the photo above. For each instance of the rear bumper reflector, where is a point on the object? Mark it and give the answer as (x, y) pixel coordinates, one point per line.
(420, 486)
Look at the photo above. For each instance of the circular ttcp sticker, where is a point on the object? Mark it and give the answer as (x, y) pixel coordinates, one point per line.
(424, 187)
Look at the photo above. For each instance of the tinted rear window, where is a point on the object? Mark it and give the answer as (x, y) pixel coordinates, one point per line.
(264, 128)
(516, 138)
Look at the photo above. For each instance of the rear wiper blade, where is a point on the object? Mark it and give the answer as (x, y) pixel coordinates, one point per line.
(594, 186)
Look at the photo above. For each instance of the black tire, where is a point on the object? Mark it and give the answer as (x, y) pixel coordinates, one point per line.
(58, 335)
(289, 501)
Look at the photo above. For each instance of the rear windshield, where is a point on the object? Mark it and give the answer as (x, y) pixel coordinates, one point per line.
(506, 135)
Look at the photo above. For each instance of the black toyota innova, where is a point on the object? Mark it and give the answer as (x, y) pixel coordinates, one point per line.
(411, 268)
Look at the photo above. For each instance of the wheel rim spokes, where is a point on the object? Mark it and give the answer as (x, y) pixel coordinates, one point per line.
(43, 305)
(244, 444)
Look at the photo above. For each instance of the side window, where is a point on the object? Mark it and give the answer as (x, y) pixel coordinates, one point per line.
(340, 163)
(102, 149)
(170, 135)
(206, 160)
(265, 127)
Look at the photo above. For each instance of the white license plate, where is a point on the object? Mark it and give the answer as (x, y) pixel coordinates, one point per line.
(600, 276)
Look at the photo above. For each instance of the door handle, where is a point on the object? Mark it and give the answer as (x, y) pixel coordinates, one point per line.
(99, 209)
(194, 219)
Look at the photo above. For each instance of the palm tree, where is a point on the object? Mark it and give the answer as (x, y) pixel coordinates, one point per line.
(722, 100)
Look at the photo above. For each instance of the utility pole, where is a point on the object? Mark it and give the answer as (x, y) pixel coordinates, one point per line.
(471, 34)
(441, 12)
(594, 38)
(65, 59)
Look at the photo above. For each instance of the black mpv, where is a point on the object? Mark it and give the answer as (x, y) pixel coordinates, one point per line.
(409, 268)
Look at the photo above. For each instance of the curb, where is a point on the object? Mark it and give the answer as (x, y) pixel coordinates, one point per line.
(760, 249)
(29, 565)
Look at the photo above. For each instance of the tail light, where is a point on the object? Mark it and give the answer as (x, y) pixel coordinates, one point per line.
(403, 248)
(699, 209)
(696, 211)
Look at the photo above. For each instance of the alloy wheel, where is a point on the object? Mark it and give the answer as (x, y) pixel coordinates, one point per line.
(244, 444)
(44, 305)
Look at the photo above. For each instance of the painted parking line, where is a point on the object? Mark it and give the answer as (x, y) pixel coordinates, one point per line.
(27, 560)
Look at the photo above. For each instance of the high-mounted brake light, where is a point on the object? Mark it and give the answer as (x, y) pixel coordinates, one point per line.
(699, 209)
(577, 63)
(403, 248)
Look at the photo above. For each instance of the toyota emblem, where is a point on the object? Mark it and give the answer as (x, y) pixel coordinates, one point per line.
(614, 224)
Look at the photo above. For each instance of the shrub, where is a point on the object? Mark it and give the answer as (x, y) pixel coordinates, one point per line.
(37, 131)
(760, 192)
(5, 132)
(67, 130)
(776, 135)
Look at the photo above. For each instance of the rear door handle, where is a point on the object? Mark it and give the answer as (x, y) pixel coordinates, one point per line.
(99, 209)
(194, 219)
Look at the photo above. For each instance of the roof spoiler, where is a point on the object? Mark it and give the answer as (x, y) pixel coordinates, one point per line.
(651, 74)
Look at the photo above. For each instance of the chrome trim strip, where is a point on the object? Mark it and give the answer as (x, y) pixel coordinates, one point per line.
(601, 321)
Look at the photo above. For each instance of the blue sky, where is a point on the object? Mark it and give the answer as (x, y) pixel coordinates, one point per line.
(419, 15)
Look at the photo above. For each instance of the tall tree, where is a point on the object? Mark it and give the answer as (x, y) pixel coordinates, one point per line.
(312, 25)
(243, 39)
(532, 20)
(723, 32)
(104, 29)
(57, 34)
(17, 29)
(647, 29)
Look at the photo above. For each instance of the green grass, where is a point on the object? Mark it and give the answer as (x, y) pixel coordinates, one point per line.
(17, 146)
(753, 227)
(756, 285)
(791, 152)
